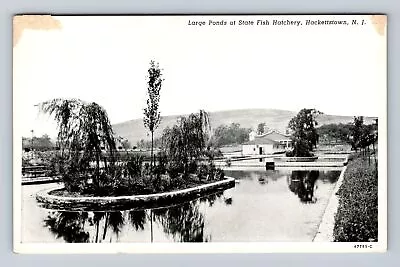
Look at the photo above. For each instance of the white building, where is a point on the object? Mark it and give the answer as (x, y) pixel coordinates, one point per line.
(269, 143)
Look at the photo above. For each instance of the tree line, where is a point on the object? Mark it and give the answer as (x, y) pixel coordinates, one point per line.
(306, 135)
(42, 143)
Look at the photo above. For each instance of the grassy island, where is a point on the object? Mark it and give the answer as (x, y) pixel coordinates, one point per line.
(88, 162)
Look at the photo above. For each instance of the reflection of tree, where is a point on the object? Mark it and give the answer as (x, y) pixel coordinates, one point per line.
(302, 184)
(97, 216)
(68, 225)
(137, 219)
(113, 220)
(329, 176)
(116, 221)
(210, 199)
(71, 225)
(185, 222)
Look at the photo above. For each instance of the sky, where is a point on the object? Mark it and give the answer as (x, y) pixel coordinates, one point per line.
(338, 70)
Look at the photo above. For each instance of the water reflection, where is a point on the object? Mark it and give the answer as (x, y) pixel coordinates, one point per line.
(213, 217)
(84, 227)
(138, 219)
(210, 199)
(68, 225)
(302, 183)
(183, 223)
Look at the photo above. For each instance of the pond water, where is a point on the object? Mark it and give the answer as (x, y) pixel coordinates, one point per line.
(275, 205)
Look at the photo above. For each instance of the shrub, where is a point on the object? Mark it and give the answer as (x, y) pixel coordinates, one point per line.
(193, 166)
(211, 171)
(290, 153)
(219, 174)
(146, 169)
(161, 167)
(174, 169)
(202, 172)
(134, 166)
(178, 182)
(213, 153)
(357, 217)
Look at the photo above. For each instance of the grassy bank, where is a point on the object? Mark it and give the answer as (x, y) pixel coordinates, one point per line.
(357, 216)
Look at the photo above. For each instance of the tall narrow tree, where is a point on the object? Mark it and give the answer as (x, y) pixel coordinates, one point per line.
(357, 132)
(152, 116)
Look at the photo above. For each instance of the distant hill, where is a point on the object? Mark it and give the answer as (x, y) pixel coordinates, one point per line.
(134, 130)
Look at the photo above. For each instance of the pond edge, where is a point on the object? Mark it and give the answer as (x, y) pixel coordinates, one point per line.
(327, 224)
(81, 203)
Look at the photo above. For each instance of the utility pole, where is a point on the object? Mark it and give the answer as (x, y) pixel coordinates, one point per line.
(32, 139)
(32, 144)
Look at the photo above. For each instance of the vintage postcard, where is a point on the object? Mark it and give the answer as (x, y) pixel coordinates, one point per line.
(200, 133)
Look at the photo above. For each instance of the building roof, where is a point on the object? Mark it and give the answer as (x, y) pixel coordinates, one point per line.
(230, 149)
(275, 135)
(261, 141)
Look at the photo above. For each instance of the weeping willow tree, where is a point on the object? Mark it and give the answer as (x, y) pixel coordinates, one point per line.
(83, 131)
(186, 141)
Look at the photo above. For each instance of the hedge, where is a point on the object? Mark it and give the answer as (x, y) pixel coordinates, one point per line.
(357, 216)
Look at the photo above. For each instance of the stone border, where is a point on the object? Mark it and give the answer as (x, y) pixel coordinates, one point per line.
(285, 164)
(295, 159)
(325, 229)
(278, 162)
(136, 201)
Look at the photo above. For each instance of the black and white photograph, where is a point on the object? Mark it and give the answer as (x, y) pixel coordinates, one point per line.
(199, 133)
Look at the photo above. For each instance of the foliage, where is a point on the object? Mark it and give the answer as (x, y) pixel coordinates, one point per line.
(42, 143)
(83, 130)
(161, 166)
(261, 128)
(362, 136)
(213, 153)
(357, 131)
(144, 144)
(335, 132)
(357, 217)
(208, 172)
(232, 134)
(152, 116)
(43, 158)
(305, 136)
(186, 141)
(134, 166)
